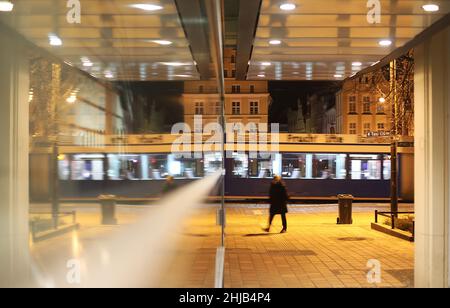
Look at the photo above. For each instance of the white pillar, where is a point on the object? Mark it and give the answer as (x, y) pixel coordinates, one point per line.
(432, 153)
(14, 89)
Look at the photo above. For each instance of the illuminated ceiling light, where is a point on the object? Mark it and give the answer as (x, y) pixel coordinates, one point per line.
(6, 6)
(382, 100)
(275, 42)
(147, 7)
(109, 75)
(430, 7)
(266, 64)
(176, 63)
(385, 43)
(262, 76)
(162, 42)
(288, 6)
(338, 76)
(183, 76)
(54, 40)
(71, 99)
(86, 62)
(356, 64)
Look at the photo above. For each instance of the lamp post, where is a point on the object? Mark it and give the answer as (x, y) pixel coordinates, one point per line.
(394, 137)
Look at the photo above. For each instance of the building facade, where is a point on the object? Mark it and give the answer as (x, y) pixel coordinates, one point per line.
(245, 101)
(361, 110)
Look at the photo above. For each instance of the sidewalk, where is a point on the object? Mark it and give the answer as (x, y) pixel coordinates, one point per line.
(314, 253)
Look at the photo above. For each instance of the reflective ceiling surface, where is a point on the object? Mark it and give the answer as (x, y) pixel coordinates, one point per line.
(116, 39)
(332, 39)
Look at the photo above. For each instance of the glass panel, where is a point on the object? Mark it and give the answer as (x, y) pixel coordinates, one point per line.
(365, 167)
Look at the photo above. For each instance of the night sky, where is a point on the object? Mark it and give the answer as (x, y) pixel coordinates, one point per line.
(167, 96)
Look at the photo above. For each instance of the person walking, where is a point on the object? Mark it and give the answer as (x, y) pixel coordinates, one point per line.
(169, 186)
(279, 198)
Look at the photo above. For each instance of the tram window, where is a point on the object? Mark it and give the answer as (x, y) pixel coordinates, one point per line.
(240, 165)
(157, 167)
(63, 167)
(87, 167)
(212, 163)
(124, 167)
(365, 167)
(294, 166)
(387, 167)
(314, 166)
(265, 168)
(329, 166)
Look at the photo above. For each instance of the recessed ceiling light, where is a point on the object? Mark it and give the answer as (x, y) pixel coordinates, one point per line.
(162, 42)
(356, 64)
(71, 99)
(147, 7)
(288, 6)
(6, 6)
(109, 75)
(275, 42)
(261, 76)
(382, 100)
(176, 63)
(385, 43)
(430, 7)
(266, 64)
(338, 76)
(54, 40)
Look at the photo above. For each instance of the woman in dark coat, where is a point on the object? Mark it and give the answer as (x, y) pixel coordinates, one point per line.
(278, 202)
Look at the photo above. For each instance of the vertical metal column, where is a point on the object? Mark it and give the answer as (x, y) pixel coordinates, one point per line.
(214, 11)
(395, 110)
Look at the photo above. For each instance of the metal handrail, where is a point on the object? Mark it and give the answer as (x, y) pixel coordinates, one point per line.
(392, 216)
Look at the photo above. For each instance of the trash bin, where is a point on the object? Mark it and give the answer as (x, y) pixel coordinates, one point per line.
(345, 210)
(108, 205)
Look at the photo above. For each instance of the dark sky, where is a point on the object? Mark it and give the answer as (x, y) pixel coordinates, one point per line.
(285, 94)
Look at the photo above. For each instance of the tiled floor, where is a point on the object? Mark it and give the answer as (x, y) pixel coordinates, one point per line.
(314, 253)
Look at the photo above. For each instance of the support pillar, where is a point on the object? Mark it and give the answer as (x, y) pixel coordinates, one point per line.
(432, 160)
(14, 113)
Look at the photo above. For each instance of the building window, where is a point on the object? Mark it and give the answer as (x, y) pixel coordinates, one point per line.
(381, 127)
(252, 89)
(352, 129)
(236, 108)
(225, 73)
(233, 59)
(218, 108)
(367, 128)
(364, 80)
(380, 109)
(201, 89)
(366, 104)
(199, 108)
(254, 108)
(233, 73)
(236, 89)
(352, 104)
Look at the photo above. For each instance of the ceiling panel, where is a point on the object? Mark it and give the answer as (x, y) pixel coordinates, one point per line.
(117, 38)
(322, 39)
